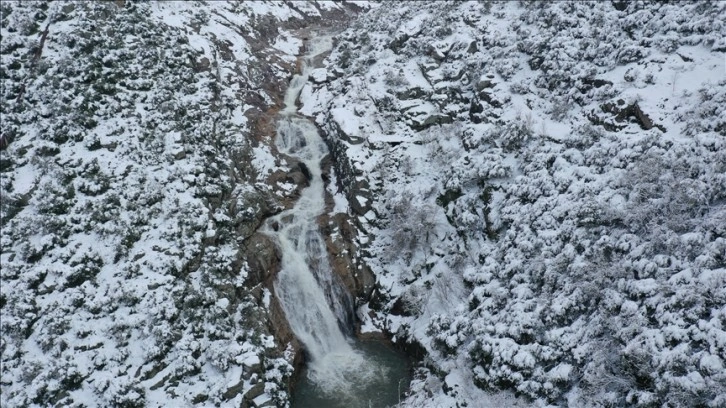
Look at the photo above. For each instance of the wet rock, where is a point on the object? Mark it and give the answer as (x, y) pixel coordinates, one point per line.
(325, 165)
(281, 328)
(340, 236)
(305, 171)
(298, 178)
(245, 223)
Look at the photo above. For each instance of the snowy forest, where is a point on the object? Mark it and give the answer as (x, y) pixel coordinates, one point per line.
(526, 198)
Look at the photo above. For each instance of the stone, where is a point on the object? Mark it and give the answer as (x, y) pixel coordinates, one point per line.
(202, 65)
(263, 258)
(262, 401)
(474, 110)
(435, 53)
(411, 93)
(485, 83)
(398, 42)
(320, 76)
(354, 140)
(430, 120)
(490, 99)
(256, 390)
(632, 112)
(305, 171)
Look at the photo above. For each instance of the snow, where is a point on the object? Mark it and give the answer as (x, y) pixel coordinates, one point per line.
(319, 75)
(263, 160)
(367, 324)
(347, 121)
(288, 44)
(266, 296)
(262, 400)
(340, 201)
(25, 179)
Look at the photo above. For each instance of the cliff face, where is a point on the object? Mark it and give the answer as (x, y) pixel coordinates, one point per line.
(539, 190)
(137, 164)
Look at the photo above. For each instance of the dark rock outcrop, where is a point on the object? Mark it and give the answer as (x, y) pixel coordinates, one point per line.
(620, 114)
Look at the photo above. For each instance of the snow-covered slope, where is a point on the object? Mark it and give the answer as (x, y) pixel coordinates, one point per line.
(137, 164)
(541, 192)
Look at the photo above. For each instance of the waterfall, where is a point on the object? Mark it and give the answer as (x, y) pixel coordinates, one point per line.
(317, 306)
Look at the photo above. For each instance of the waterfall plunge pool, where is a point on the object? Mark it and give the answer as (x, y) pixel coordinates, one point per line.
(364, 388)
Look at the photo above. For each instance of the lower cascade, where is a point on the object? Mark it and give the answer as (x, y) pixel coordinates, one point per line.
(317, 306)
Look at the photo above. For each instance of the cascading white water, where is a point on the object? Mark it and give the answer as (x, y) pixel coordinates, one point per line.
(315, 303)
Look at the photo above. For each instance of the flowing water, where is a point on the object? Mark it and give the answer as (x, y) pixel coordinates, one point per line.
(340, 372)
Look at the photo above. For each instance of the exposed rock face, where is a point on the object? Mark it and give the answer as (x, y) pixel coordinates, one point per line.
(263, 259)
(340, 237)
(357, 189)
(621, 114)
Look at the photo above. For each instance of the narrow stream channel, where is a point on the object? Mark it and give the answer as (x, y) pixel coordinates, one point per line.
(341, 371)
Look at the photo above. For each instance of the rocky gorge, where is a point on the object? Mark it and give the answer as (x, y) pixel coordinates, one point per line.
(526, 198)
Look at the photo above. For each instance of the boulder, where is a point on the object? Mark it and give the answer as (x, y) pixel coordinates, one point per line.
(428, 121)
(620, 113)
(411, 93)
(485, 82)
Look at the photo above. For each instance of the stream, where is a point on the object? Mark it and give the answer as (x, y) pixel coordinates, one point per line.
(341, 371)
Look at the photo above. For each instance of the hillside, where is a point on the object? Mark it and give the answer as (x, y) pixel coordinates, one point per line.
(137, 165)
(541, 193)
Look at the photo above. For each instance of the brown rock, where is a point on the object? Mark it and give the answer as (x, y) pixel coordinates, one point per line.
(263, 258)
